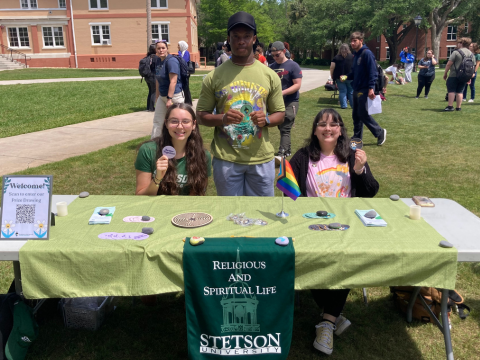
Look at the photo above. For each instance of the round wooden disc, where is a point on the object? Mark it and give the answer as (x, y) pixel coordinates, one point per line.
(192, 220)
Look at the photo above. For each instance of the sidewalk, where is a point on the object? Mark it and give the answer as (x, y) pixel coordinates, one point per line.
(57, 144)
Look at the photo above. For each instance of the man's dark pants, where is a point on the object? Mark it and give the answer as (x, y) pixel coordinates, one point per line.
(361, 117)
(291, 110)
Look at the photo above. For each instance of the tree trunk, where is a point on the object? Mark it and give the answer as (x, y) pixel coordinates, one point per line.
(149, 23)
(333, 48)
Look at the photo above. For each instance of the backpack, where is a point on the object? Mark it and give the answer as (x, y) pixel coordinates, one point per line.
(433, 299)
(380, 82)
(184, 77)
(145, 71)
(466, 69)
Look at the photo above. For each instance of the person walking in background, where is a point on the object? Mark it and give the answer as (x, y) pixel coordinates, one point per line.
(474, 49)
(218, 52)
(225, 56)
(259, 52)
(340, 67)
(291, 77)
(455, 85)
(426, 74)
(168, 86)
(408, 59)
(183, 51)
(364, 75)
(268, 55)
(151, 82)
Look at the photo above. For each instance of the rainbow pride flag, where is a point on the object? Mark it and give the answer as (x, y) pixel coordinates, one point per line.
(286, 181)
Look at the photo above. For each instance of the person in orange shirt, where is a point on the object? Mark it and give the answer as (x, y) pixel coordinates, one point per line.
(259, 54)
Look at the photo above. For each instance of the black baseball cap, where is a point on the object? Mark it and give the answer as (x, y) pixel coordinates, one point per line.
(242, 18)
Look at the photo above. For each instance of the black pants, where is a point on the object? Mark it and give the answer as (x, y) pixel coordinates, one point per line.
(151, 96)
(361, 117)
(291, 110)
(424, 81)
(332, 301)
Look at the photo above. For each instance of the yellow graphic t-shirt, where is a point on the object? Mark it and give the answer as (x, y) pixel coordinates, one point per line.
(246, 89)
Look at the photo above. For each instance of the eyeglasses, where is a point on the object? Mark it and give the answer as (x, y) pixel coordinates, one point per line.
(276, 55)
(323, 125)
(176, 122)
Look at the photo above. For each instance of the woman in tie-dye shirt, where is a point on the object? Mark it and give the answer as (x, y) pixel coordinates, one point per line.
(327, 167)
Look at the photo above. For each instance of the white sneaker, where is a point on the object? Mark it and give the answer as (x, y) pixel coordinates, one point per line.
(341, 324)
(324, 339)
(471, 100)
(464, 100)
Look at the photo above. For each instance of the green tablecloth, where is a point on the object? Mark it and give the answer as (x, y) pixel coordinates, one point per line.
(75, 262)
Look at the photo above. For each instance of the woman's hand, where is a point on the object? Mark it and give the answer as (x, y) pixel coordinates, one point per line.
(360, 160)
(169, 103)
(162, 166)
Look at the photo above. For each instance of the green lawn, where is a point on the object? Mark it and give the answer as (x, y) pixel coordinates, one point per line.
(35, 107)
(49, 73)
(427, 152)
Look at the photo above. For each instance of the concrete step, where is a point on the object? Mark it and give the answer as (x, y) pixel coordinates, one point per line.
(8, 64)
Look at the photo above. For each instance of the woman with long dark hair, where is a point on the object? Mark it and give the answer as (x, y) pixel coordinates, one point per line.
(327, 167)
(168, 85)
(426, 74)
(188, 171)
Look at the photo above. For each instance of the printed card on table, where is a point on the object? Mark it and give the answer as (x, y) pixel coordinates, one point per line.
(26, 204)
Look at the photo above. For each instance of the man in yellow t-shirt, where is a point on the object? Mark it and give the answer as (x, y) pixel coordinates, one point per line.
(243, 91)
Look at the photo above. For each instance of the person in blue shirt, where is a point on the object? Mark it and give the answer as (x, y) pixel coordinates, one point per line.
(408, 59)
(183, 51)
(364, 75)
(168, 86)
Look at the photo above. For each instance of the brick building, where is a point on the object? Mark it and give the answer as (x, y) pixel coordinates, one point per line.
(448, 43)
(94, 33)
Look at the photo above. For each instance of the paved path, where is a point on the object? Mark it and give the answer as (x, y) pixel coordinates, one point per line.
(57, 144)
(45, 81)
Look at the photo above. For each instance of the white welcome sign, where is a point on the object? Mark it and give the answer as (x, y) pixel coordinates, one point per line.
(26, 204)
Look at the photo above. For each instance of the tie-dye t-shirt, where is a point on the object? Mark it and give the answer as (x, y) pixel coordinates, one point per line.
(328, 178)
(246, 89)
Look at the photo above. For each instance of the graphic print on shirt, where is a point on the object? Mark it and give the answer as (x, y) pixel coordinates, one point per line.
(330, 182)
(245, 97)
(281, 72)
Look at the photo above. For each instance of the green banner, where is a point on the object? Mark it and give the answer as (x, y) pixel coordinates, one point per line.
(239, 295)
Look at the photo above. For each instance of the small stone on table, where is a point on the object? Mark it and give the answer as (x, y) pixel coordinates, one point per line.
(147, 230)
(371, 214)
(445, 244)
(394, 197)
(104, 212)
(145, 218)
(83, 194)
(335, 225)
(322, 213)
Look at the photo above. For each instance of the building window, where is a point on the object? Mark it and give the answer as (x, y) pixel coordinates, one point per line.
(53, 36)
(18, 37)
(388, 54)
(377, 54)
(159, 4)
(101, 34)
(29, 4)
(62, 4)
(98, 4)
(451, 33)
(450, 50)
(160, 32)
(465, 29)
(378, 38)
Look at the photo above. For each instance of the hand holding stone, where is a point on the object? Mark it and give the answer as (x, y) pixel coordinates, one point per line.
(162, 166)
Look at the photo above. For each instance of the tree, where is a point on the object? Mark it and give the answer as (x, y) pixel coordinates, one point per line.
(149, 24)
(388, 17)
(445, 13)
